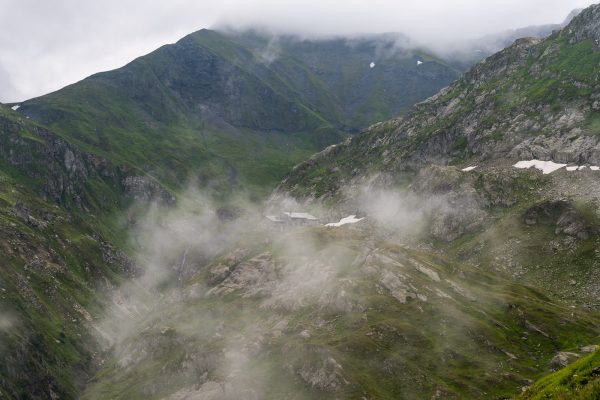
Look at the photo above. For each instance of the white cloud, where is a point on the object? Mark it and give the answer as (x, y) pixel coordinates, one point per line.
(46, 45)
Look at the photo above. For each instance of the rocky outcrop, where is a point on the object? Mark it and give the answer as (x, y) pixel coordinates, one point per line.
(586, 26)
(562, 359)
(64, 172)
(565, 218)
(253, 277)
(145, 188)
(317, 368)
(43, 156)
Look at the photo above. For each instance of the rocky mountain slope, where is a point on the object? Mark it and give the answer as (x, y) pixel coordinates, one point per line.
(538, 99)
(58, 259)
(535, 99)
(223, 109)
(328, 313)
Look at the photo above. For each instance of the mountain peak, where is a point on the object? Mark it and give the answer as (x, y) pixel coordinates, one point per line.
(586, 25)
(572, 15)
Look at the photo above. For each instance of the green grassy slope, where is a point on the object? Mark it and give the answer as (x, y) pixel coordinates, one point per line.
(51, 269)
(211, 110)
(57, 262)
(340, 66)
(578, 381)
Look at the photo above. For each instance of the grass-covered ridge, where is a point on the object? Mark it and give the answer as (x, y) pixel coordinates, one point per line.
(578, 381)
(220, 110)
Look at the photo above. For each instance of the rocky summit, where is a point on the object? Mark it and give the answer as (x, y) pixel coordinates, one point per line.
(159, 243)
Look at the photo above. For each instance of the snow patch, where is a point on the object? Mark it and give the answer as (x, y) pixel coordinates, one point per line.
(301, 215)
(546, 167)
(274, 218)
(372, 65)
(344, 221)
(582, 167)
(15, 108)
(471, 168)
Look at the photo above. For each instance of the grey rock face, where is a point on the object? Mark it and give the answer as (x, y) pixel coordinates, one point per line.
(253, 277)
(563, 216)
(319, 369)
(46, 157)
(586, 26)
(63, 170)
(562, 359)
(146, 189)
(589, 348)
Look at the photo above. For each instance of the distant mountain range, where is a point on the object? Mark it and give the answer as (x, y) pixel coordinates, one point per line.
(476, 50)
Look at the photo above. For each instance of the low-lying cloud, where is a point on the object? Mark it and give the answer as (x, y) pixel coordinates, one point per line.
(222, 287)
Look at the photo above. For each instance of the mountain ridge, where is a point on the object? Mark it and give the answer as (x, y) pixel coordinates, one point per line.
(188, 106)
(537, 99)
(468, 94)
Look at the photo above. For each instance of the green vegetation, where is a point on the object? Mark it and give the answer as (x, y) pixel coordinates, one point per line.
(52, 261)
(211, 110)
(54, 258)
(578, 381)
(460, 144)
(569, 76)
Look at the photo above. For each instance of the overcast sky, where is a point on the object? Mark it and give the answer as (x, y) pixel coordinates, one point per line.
(46, 44)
